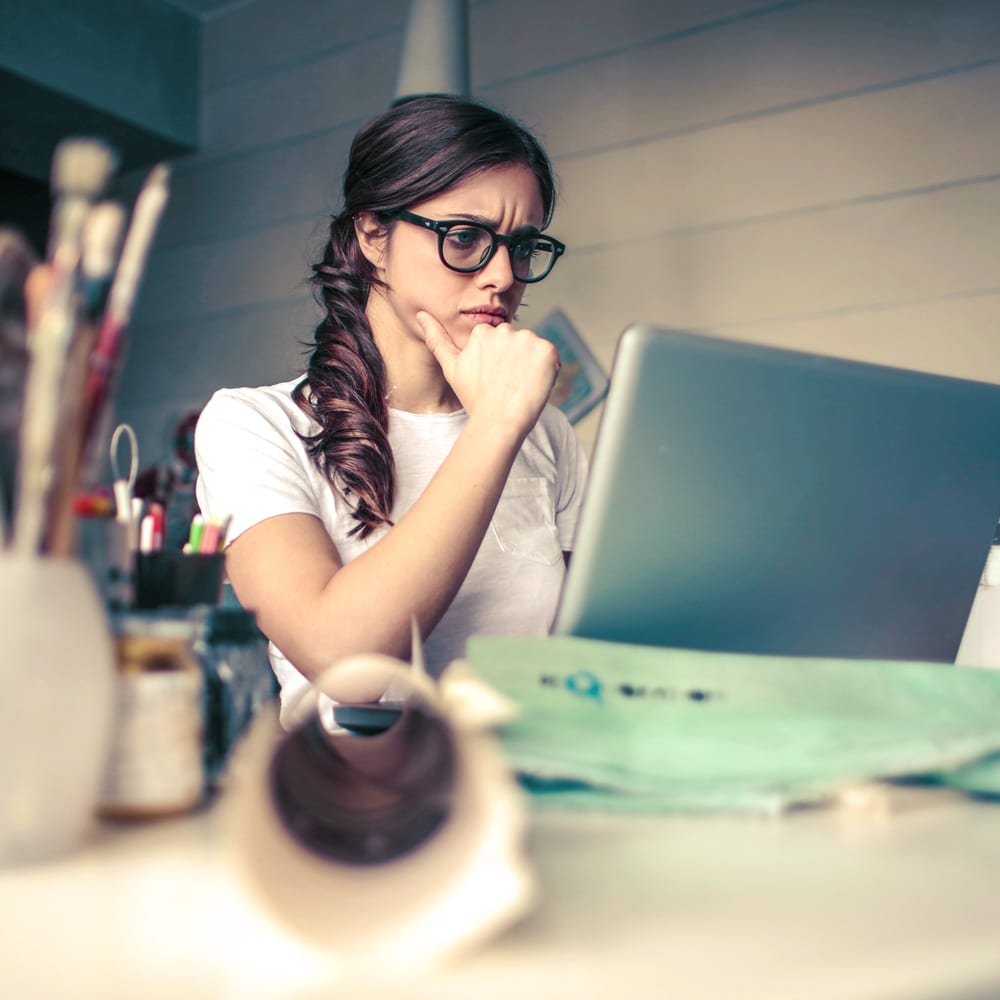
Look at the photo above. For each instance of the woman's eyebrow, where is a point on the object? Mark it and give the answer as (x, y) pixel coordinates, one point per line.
(492, 224)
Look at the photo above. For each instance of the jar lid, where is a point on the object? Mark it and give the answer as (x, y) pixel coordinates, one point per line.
(155, 625)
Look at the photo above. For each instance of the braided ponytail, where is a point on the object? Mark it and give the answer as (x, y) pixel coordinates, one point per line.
(344, 386)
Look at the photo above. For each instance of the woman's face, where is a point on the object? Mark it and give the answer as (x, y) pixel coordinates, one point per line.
(508, 200)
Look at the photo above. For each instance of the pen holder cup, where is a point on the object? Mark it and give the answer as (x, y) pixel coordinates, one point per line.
(178, 579)
(57, 673)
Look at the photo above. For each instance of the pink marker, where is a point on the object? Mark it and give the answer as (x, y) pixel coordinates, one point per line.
(151, 529)
(209, 538)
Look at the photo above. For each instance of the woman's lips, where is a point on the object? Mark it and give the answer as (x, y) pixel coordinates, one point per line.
(486, 316)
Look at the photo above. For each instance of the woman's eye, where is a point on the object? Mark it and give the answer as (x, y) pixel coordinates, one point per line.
(465, 238)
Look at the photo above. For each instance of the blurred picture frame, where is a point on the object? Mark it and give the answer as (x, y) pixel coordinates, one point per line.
(582, 383)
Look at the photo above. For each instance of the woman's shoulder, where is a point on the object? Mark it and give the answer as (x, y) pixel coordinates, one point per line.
(258, 396)
(273, 404)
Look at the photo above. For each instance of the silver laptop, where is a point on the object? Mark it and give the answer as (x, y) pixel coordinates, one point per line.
(754, 499)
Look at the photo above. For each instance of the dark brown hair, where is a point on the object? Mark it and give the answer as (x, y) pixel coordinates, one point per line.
(412, 152)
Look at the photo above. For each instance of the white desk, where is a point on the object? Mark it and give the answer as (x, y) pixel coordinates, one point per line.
(826, 903)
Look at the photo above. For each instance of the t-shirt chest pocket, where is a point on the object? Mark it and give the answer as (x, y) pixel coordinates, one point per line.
(524, 521)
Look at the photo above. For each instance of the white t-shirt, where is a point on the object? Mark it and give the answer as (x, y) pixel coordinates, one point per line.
(252, 465)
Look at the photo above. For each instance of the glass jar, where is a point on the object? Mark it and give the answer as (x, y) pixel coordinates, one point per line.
(155, 767)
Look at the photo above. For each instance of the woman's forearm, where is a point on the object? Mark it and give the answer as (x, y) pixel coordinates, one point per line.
(321, 611)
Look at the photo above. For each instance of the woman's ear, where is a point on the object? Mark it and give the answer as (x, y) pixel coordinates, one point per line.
(371, 235)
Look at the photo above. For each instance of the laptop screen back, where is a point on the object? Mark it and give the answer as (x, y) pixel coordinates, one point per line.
(754, 499)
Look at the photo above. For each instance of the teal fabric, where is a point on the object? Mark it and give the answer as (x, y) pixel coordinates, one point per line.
(635, 728)
(980, 778)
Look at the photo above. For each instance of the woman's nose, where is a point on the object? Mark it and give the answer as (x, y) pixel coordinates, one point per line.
(498, 272)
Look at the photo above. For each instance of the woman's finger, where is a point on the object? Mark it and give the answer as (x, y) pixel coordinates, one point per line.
(438, 342)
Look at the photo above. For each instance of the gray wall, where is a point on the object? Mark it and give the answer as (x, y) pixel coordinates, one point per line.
(823, 174)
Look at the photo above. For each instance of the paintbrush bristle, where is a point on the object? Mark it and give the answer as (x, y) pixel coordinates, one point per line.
(160, 174)
(82, 167)
(102, 232)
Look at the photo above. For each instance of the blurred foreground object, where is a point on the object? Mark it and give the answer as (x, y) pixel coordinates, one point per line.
(63, 321)
(81, 169)
(393, 850)
(155, 766)
(16, 262)
(582, 383)
(79, 308)
(57, 674)
(630, 728)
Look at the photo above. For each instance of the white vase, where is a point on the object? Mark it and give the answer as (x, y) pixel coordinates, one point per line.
(57, 672)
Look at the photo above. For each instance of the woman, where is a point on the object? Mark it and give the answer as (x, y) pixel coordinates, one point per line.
(415, 471)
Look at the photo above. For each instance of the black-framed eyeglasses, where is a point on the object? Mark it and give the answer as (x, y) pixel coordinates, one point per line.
(469, 246)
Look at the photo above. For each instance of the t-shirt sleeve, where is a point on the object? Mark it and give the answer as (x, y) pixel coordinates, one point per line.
(572, 468)
(251, 463)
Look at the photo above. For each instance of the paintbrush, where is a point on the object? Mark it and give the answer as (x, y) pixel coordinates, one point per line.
(80, 170)
(16, 261)
(101, 236)
(106, 356)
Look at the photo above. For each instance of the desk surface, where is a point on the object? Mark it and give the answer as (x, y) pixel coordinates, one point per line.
(899, 900)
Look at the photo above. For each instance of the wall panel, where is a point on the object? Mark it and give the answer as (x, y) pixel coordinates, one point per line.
(241, 271)
(867, 148)
(248, 193)
(269, 36)
(805, 53)
(854, 256)
(348, 86)
(513, 38)
(822, 174)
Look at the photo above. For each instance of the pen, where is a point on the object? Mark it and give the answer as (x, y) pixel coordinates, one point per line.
(151, 530)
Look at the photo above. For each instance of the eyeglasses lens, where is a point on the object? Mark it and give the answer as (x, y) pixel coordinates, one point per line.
(468, 248)
(532, 258)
